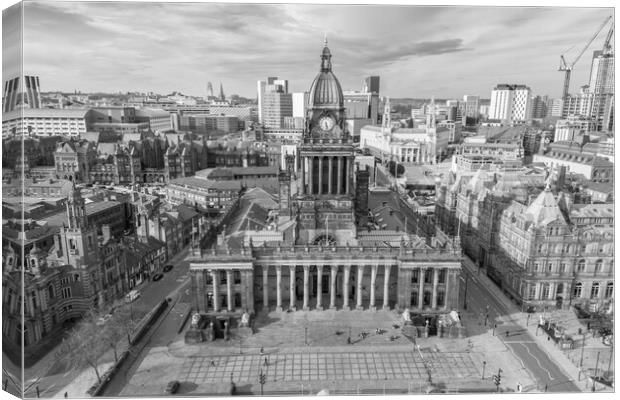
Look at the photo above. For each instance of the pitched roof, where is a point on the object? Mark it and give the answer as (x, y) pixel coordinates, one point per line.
(544, 209)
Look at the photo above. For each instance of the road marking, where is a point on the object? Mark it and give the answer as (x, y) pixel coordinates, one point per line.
(538, 361)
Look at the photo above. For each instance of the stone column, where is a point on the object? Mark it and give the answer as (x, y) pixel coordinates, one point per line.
(310, 173)
(319, 287)
(386, 287)
(320, 191)
(201, 299)
(302, 190)
(278, 288)
(349, 173)
(216, 290)
(292, 288)
(330, 169)
(373, 282)
(229, 298)
(266, 287)
(360, 276)
(435, 283)
(339, 185)
(421, 293)
(448, 288)
(332, 287)
(306, 285)
(345, 288)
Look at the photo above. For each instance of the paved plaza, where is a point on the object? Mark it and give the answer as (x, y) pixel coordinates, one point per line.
(339, 365)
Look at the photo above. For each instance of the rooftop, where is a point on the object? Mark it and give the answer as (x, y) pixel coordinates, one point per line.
(45, 113)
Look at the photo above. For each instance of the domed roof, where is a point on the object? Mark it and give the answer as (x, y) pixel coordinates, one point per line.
(325, 90)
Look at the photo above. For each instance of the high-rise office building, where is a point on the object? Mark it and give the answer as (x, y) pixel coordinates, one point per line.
(510, 103)
(20, 93)
(371, 84)
(539, 106)
(471, 105)
(274, 93)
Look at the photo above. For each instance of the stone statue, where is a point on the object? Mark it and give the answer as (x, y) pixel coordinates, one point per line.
(407, 316)
(195, 320)
(245, 320)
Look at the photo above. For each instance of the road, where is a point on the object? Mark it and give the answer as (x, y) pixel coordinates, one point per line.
(59, 374)
(542, 368)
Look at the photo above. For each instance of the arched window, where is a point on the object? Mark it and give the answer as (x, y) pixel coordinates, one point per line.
(581, 266)
(559, 290)
(577, 290)
(609, 290)
(50, 291)
(598, 267)
(595, 290)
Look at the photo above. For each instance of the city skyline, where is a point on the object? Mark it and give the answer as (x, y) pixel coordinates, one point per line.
(417, 51)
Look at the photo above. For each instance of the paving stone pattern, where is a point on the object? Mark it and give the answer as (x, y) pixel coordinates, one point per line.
(299, 366)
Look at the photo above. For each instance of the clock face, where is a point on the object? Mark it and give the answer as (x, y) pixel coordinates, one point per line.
(326, 123)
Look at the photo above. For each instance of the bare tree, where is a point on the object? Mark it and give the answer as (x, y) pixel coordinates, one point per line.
(84, 345)
(123, 321)
(112, 335)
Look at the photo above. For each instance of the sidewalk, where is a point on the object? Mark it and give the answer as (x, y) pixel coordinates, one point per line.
(520, 318)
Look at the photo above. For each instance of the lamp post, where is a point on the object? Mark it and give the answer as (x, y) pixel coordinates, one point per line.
(595, 372)
(484, 365)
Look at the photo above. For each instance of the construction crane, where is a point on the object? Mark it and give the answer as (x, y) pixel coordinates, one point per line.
(607, 45)
(568, 68)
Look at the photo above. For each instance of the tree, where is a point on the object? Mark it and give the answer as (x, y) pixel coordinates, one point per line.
(112, 335)
(392, 166)
(123, 321)
(84, 345)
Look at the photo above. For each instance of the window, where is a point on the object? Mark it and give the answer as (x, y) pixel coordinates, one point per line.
(442, 276)
(595, 289)
(50, 291)
(577, 290)
(64, 281)
(415, 276)
(545, 291)
(598, 267)
(562, 267)
(34, 299)
(535, 267)
(428, 275)
(76, 277)
(540, 248)
(532, 292)
(609, 290)
(581, 266)
(549, 267)
(66, 292)
(222, 277)
(237, 277)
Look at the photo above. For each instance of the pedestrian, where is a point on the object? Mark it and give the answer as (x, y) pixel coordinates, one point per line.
(519, 387)
(349, 340)
(261, 350)
(212, 363)
(265, 363)
(66, 395)
(507, 333)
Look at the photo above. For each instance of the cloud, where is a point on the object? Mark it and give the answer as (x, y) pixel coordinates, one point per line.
(417, 51)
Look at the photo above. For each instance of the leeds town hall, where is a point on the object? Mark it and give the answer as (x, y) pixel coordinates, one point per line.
(328, 239)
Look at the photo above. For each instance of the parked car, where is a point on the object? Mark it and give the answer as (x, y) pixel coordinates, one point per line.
(157, 277)
(172, 387)
(102, 320)
(168, 267)
(131, 296)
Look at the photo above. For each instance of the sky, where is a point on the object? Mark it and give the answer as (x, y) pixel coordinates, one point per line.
(417, 51)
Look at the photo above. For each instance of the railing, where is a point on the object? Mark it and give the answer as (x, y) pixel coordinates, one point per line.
(314, 251)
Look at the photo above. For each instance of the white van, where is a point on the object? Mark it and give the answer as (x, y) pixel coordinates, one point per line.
(131, 296)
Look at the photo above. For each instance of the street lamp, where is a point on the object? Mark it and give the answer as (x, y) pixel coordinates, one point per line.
(484, 365)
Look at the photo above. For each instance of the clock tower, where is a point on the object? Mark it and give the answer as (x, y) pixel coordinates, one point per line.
(325, 195)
